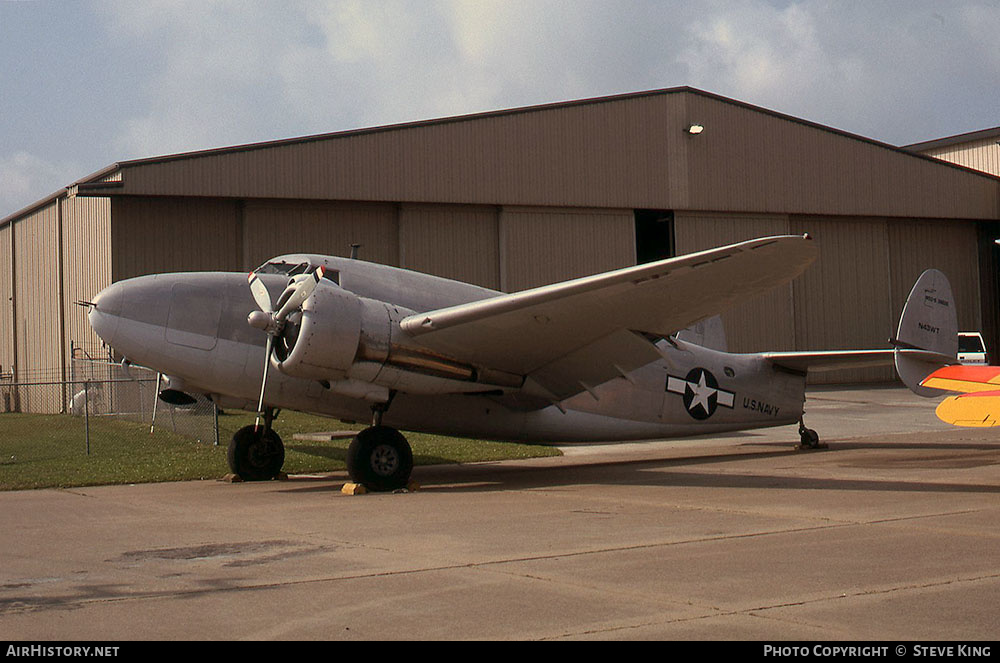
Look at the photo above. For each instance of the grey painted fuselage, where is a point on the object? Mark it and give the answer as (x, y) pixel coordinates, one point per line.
(193, 328)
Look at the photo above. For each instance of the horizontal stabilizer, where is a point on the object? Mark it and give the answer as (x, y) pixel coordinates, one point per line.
(831, 360)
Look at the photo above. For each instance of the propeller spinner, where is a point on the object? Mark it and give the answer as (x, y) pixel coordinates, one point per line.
(273, 322)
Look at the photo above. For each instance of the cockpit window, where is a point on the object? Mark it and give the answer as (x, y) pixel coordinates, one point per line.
(291, 269)
(286, 268)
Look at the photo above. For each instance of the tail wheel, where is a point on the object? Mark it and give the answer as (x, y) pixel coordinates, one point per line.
(380, 458)
(256, 453)
(808, 437)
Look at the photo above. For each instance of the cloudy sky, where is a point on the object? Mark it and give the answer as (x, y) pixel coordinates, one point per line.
(84, 84)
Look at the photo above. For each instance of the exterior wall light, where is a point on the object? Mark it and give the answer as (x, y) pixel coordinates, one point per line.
(695, 129)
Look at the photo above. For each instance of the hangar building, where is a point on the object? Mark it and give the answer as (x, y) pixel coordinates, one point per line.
(523, 197)
(977, 149)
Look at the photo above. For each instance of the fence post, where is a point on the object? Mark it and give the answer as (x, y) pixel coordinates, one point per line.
(86, 412)
(215, 410)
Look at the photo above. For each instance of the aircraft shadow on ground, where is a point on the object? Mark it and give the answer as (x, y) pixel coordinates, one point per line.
(489, 477)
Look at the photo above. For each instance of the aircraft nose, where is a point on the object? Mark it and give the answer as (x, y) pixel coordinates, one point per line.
(106, 311)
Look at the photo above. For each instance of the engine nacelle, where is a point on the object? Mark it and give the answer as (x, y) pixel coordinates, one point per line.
(321, 341)
(355, 347)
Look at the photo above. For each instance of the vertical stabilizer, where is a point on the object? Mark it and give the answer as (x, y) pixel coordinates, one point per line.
(927, 338)
(708, 333)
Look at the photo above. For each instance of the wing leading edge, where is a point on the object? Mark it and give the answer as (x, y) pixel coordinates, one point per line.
(572, 335)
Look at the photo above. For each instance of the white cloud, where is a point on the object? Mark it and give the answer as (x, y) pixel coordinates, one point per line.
(209, 74)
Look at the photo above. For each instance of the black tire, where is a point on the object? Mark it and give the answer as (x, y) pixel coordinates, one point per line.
(809, 437)
(380, 458)
(256, 455)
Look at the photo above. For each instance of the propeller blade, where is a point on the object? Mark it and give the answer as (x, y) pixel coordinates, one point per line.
(260, 293)
(263, 380)
(303, 288)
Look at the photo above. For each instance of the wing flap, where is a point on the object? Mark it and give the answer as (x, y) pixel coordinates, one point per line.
(582, 369)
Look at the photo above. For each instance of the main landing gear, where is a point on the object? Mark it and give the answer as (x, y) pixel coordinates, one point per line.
(379, 457)
(256, 453)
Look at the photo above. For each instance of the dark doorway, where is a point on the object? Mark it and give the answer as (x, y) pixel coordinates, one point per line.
(654, 235)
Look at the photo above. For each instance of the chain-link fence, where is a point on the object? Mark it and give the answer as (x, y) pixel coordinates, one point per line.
(99, 399)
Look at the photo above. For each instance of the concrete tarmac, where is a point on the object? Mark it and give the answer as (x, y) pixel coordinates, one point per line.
(893, 533)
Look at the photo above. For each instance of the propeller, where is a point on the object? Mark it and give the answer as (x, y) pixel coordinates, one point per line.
(273, 322)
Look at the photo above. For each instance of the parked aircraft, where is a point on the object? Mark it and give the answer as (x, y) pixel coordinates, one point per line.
(604, 357)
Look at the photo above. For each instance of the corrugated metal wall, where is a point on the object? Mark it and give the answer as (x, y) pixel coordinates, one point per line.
(510, 248)
(593, 155)
(454, 241)
(756, 162)
(86, 265)
(542, 246)
(763, 323)
(51, 257)
(272, 228)
(982, 155)
(38, 319)
(151, 235)
(6, 299)
(625, 152)
(852, 296)
(918, 244)
(842, 301)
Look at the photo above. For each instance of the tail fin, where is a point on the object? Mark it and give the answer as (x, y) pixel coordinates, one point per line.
(708, 333)
(927, 338)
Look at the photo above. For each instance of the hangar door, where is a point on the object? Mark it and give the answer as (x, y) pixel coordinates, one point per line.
(539, 246)
(761, 323)
(272, 228)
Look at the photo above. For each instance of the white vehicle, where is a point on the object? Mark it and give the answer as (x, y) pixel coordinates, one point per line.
(971, 349)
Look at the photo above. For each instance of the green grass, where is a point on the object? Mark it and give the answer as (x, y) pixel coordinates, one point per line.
(43, 451)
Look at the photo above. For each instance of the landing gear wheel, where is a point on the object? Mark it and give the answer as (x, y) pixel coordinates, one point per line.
(380, 458)
(808, 437)
(256, 454)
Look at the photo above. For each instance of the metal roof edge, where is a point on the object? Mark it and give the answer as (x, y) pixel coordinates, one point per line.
(907, 150)
(348, 133)
(56, 195)
(539, 108)
(846, 134)
(967, 137)
(34, 207)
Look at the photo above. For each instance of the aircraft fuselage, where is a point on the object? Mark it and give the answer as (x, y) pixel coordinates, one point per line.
(193, 328)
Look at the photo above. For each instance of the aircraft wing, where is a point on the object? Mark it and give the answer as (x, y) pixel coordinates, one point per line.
(569, 336)
(979, 402)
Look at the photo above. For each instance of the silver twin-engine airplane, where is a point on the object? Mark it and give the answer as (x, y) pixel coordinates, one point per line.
(600, 358)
